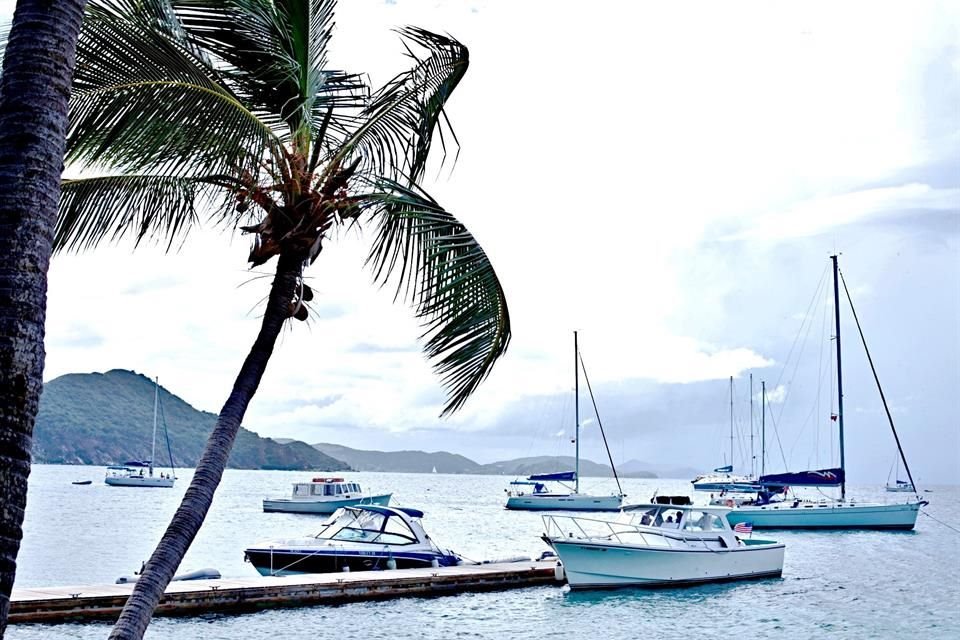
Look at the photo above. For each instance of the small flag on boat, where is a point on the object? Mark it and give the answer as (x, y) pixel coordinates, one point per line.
(743, 527)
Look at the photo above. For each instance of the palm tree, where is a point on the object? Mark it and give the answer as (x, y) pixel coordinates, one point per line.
(183, 106)
(34, 90)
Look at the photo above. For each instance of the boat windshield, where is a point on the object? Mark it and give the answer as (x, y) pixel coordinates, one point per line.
(368, 526)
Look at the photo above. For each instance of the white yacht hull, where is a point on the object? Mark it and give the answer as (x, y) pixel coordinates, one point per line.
(564, 502)
(138, 481)
(321, 505)
(596, 565)
(828, 515)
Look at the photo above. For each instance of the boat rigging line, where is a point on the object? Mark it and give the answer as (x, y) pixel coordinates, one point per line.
(883, 398)
(600, 424)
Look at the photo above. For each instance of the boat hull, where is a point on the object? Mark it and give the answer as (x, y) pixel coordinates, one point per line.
(828, 516)
(293, 562)
(286, 505)
(593, 565)
(139, 481)
(569, 502)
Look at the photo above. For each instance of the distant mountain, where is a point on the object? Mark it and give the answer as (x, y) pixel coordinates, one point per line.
(631, 467)
(443, 462)
(400, 461)
(107, 418)
(550, 464)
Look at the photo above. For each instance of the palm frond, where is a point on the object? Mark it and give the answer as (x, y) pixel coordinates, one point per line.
(400, 122)
(152, 207)
(443, 271)
(145, 102)
(273, 55)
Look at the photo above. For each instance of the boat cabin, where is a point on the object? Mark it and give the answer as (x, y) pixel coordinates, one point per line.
(684, 517)
(325, 487)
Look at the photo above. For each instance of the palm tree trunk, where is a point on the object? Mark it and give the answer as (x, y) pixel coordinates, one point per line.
(196, 502)
(34, 92)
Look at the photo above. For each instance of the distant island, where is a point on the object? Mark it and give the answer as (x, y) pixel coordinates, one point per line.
(107, 418)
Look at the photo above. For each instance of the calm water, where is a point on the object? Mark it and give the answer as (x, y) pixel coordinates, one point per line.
(837, 584)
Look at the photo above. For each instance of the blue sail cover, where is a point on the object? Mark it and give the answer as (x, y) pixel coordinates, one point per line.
(819, 478)
(562, 476)
(726, 469)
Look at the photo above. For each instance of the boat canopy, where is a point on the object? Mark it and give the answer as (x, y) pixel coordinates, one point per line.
(819, 478)
(562, 476)
(389, 511)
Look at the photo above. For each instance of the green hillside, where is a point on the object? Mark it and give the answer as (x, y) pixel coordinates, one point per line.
(107, 418)
(401, 461)
(443, 462)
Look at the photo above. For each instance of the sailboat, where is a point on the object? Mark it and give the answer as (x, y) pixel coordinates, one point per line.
(131, 473)
(534, 493)
(899, 486)
(723, 479)
(836, 514)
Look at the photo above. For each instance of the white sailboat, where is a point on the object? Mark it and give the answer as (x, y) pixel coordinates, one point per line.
(833, 514)
(723, 478)
(535, 494)
(131, 473)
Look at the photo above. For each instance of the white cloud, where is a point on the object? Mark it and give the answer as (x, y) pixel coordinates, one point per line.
(601, 149)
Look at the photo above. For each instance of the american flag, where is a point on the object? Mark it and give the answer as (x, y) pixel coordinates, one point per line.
(743, 527)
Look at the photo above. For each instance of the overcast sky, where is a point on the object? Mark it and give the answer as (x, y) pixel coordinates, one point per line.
(668, 179)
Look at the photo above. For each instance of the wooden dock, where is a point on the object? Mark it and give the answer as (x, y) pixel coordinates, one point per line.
(186, 598)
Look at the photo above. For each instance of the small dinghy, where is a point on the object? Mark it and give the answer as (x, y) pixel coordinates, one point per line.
(82, 482)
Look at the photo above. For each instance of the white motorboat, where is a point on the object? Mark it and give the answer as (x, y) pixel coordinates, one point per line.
(363, 538)
(659, 545)
(140, 473)
(769, 513)
(324, 495)
(535, 494)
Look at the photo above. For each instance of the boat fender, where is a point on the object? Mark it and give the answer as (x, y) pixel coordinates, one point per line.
(346, 568)
(434, 563)
(558, 572)
(391, 563)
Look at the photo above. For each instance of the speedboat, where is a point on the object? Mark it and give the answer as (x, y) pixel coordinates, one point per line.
(658, 545)
(361, 538)
(324, 495)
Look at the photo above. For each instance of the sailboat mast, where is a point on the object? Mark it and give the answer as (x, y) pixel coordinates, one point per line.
(753, 459)
(731, 423)
(763, 427)
(576, 415)
(836, 314)
(153, 441)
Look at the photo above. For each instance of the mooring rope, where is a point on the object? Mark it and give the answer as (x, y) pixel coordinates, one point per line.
(952, 528)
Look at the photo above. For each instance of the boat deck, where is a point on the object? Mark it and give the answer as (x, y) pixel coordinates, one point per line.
(194, 597)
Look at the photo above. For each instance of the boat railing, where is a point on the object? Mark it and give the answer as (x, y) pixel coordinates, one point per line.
(672, 537)
(605, 529)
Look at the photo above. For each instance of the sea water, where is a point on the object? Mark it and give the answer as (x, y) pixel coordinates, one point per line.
(834, 584)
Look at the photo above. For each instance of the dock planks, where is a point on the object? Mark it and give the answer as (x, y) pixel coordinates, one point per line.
(194, 597)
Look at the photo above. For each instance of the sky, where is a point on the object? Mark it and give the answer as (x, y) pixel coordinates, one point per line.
(667, 179)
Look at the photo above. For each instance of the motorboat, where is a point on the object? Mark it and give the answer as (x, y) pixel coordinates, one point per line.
(324, 495)
(360, 538)
(560, 491)
(140, 473)
(657, 545)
